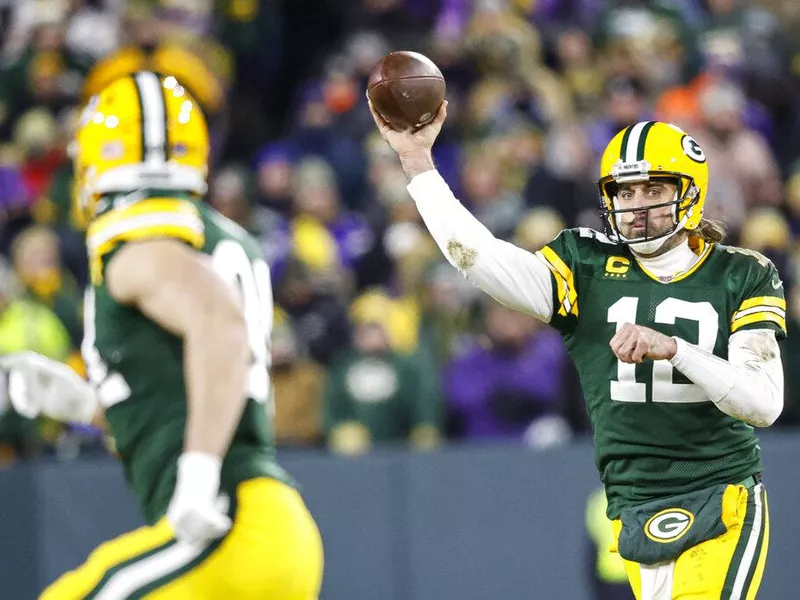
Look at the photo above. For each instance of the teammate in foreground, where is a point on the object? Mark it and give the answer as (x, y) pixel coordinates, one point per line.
(177, 326)
(674, 336)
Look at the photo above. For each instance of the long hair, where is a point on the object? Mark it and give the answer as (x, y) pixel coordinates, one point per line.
(709, 231)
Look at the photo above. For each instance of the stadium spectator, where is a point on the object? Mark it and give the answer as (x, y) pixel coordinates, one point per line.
(298, 387)
(317, 308)
(37, 262)
(373, 395)
(231, 193)
(26, 325)
(738, 154)
(318, 207)
(512, 385)
(535, 90)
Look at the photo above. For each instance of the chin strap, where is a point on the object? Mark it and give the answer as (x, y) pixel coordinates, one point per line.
(650, 246)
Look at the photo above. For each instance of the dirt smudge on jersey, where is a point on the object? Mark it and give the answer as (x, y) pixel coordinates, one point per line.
(463, 257)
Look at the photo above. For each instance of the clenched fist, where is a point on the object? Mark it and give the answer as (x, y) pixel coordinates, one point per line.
(634, 343)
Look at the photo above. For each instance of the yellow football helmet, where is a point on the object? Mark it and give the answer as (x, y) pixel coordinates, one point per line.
(647, 150)
(142, 131)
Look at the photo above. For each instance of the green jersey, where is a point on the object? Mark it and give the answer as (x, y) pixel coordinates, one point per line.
(137, 366)
(656, 434)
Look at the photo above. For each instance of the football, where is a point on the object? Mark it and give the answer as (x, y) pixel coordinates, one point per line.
(406, 88)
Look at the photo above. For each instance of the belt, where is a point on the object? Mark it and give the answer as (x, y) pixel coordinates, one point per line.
(751, 481)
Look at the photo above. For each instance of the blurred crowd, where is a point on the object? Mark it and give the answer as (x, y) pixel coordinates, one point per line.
(377, 340)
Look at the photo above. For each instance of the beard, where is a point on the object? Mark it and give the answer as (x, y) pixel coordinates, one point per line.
(649, 246)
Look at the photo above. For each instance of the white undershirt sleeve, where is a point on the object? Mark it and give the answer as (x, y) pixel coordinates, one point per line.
(513, 276)
(747, 386)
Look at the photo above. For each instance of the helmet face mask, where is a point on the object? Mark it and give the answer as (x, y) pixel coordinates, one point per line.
(651, 152)
(686, 195)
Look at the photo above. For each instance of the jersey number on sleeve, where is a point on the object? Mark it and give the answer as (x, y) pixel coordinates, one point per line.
(625, 388)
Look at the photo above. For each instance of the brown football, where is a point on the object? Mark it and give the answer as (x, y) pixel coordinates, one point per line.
(406, 88)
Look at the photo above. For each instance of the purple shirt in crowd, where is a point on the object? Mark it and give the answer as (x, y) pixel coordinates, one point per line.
(537, 371)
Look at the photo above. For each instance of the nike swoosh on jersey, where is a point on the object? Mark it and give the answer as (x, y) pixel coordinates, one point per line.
(776, 283)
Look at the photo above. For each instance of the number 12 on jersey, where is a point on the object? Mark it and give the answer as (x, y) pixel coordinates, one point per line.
(625, 388)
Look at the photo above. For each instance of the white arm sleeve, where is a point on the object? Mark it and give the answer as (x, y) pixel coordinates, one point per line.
(510, 274)
(747, 386)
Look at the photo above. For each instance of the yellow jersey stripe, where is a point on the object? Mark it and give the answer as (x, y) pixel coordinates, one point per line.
(763, 301)
(563, 292)
(570, 302)
(156, 230)
(118, 231)
(174, 225)
(560, 285)
(99, 248)
(773, 309)
(143, 207)
(758, 317)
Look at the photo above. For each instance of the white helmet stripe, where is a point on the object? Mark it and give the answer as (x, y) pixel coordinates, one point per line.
(154, 116)
(633, 142)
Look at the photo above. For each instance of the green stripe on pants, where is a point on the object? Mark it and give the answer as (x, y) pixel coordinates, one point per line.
(118, 567)
(745, 557)
(161, 582)
(760, 547)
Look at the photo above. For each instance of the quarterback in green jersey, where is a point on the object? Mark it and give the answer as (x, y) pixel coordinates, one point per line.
(675, 339)
(178, 320)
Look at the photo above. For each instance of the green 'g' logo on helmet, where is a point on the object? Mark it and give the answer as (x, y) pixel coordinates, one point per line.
(668, 525)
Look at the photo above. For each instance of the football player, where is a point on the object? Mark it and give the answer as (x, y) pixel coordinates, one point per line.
(178, 319)
(675, 339)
